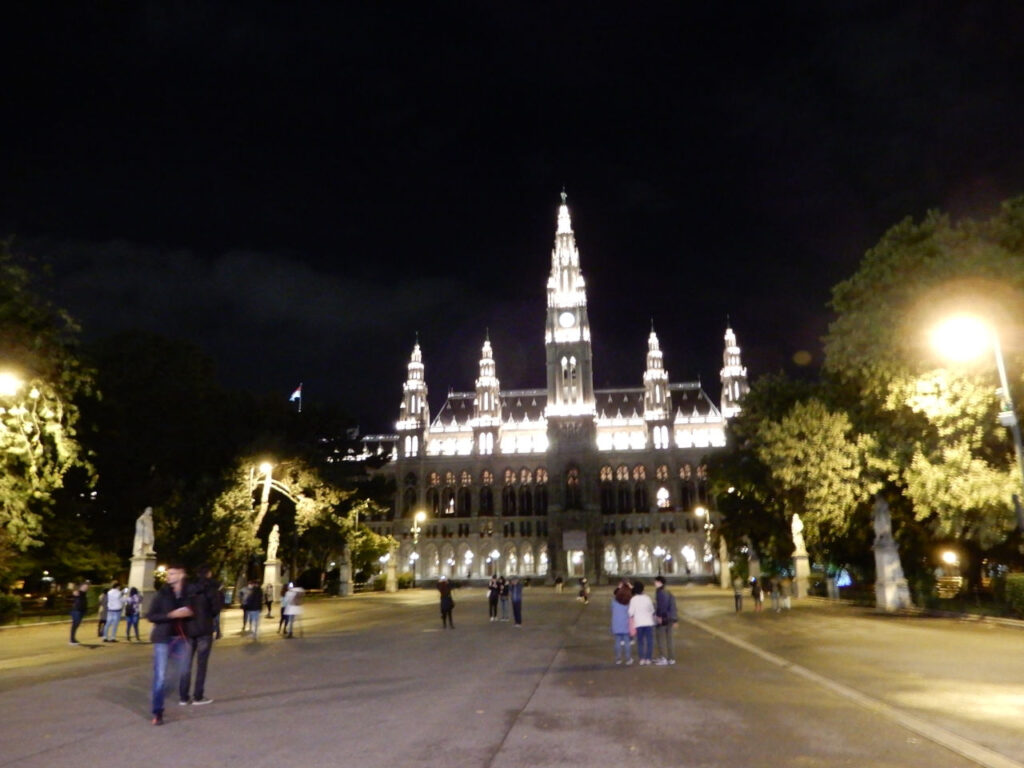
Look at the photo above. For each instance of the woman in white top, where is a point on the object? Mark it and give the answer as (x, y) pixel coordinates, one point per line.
(641, 611)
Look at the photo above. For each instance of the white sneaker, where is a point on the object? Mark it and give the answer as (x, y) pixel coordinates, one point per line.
(618, 661)
(629, 661)
(671, 662)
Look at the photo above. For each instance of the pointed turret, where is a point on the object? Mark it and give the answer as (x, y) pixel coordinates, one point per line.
(414, 414)
(657, 401)
(487, 409)
(734, 377)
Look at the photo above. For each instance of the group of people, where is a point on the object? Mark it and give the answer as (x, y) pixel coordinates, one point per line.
(252, 599)
(502, 591)
(114, 603)
(779, 591)
(635, 615)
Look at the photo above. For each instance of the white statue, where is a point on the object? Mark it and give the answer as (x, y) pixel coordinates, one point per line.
(883, 522)
(273, 541)
(797, 526)
(144, 540)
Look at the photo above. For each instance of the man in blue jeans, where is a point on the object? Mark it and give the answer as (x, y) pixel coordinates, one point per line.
(170, 614)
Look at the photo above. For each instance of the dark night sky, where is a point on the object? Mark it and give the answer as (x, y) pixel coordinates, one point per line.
(301, 187)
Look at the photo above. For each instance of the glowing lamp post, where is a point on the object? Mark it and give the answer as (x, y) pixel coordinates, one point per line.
(963, 337)
(10, 383)
(416, 525)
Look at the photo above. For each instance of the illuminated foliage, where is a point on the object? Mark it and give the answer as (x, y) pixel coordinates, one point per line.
(38, 419)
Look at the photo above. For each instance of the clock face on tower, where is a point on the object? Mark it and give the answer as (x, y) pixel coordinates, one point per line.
(567, 319)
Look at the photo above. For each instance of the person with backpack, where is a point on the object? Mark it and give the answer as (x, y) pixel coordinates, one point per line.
(132, 609)
(205, 602)
(665, 618)
(252, 608)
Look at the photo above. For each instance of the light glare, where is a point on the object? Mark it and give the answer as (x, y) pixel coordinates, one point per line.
(961, 337)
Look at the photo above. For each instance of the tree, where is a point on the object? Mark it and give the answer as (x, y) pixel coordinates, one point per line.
(935, 424)
(39, 418)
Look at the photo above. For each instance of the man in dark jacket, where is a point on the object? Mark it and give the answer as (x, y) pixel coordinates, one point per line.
(79, 605)
(170, 614)
(205, 601)
(666, 616)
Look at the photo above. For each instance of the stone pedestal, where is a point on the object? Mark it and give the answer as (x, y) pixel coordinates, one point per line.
(891, 590)
(344, 579)
(724, 579)
(802, 580)
(272, 575)
(141, 576)
(753, 563)
(391, 579)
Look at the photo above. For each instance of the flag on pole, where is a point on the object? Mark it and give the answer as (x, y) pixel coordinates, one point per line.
(296, 395)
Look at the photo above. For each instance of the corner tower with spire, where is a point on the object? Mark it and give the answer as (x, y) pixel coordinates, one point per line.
(414, 414)
(734, 376)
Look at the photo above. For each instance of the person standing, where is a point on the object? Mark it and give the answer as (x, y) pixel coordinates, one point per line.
(666, 617)
(773, 590)
(252, 608)
(641, 610)
(493, 588)
(293, 610)
(756, 594)
(737, 593)
(115, 602)
(170, 613)
(132, 609)
(243, 596)
(79, 606)
(205, 602)
(447, 603)
(503, 597)
(620, 623)
(268, 597)
(515, 593)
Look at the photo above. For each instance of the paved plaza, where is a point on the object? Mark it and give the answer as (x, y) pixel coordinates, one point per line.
(375, 681)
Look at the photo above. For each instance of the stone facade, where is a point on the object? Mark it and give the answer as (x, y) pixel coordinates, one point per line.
(567, 480)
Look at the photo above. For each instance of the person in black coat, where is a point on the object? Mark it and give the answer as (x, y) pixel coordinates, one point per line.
(205, 601)
(170, 612)
(447, 603)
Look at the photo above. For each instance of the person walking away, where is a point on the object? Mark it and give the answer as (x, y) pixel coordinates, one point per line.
(268, 597)
(503, 597)
(620, 623)
(79, 607)
(773, 590)
(243, 595)
(641, 610)
(737, 593)
(293, 610)
(170, 613)
(515, 593)
(584, 590)
(786, 592)
(132, 609)
(251, 609)
(756, 594)
(205, 602)
(559, 585)
(101, 620)
(447, 603)
(114, 604)
(493, 588)
(666, 617)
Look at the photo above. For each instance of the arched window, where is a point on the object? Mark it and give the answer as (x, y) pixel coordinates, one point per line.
(508, 501)
(448, 501)
(664, 501)
(525, 500)
(607, 491)
(433, 500)
(611, 561)
(409, 500)
(464, 507)
(661, 473)
(540, 493)
(486, 501)
(449, 478)
(525, 476)
(573, 493)
(686, 500)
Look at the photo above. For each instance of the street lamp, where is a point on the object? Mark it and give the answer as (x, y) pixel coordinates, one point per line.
(10, 383)
(964, 337)
(417, 520)
(495, 556)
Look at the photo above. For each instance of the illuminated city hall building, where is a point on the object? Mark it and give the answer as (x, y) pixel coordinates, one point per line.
(565, 480)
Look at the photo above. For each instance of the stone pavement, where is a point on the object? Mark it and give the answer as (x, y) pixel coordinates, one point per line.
(375, 681)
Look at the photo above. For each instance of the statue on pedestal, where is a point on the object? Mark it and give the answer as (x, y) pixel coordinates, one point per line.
(144, 539)
(797, 528)
(273, 542)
